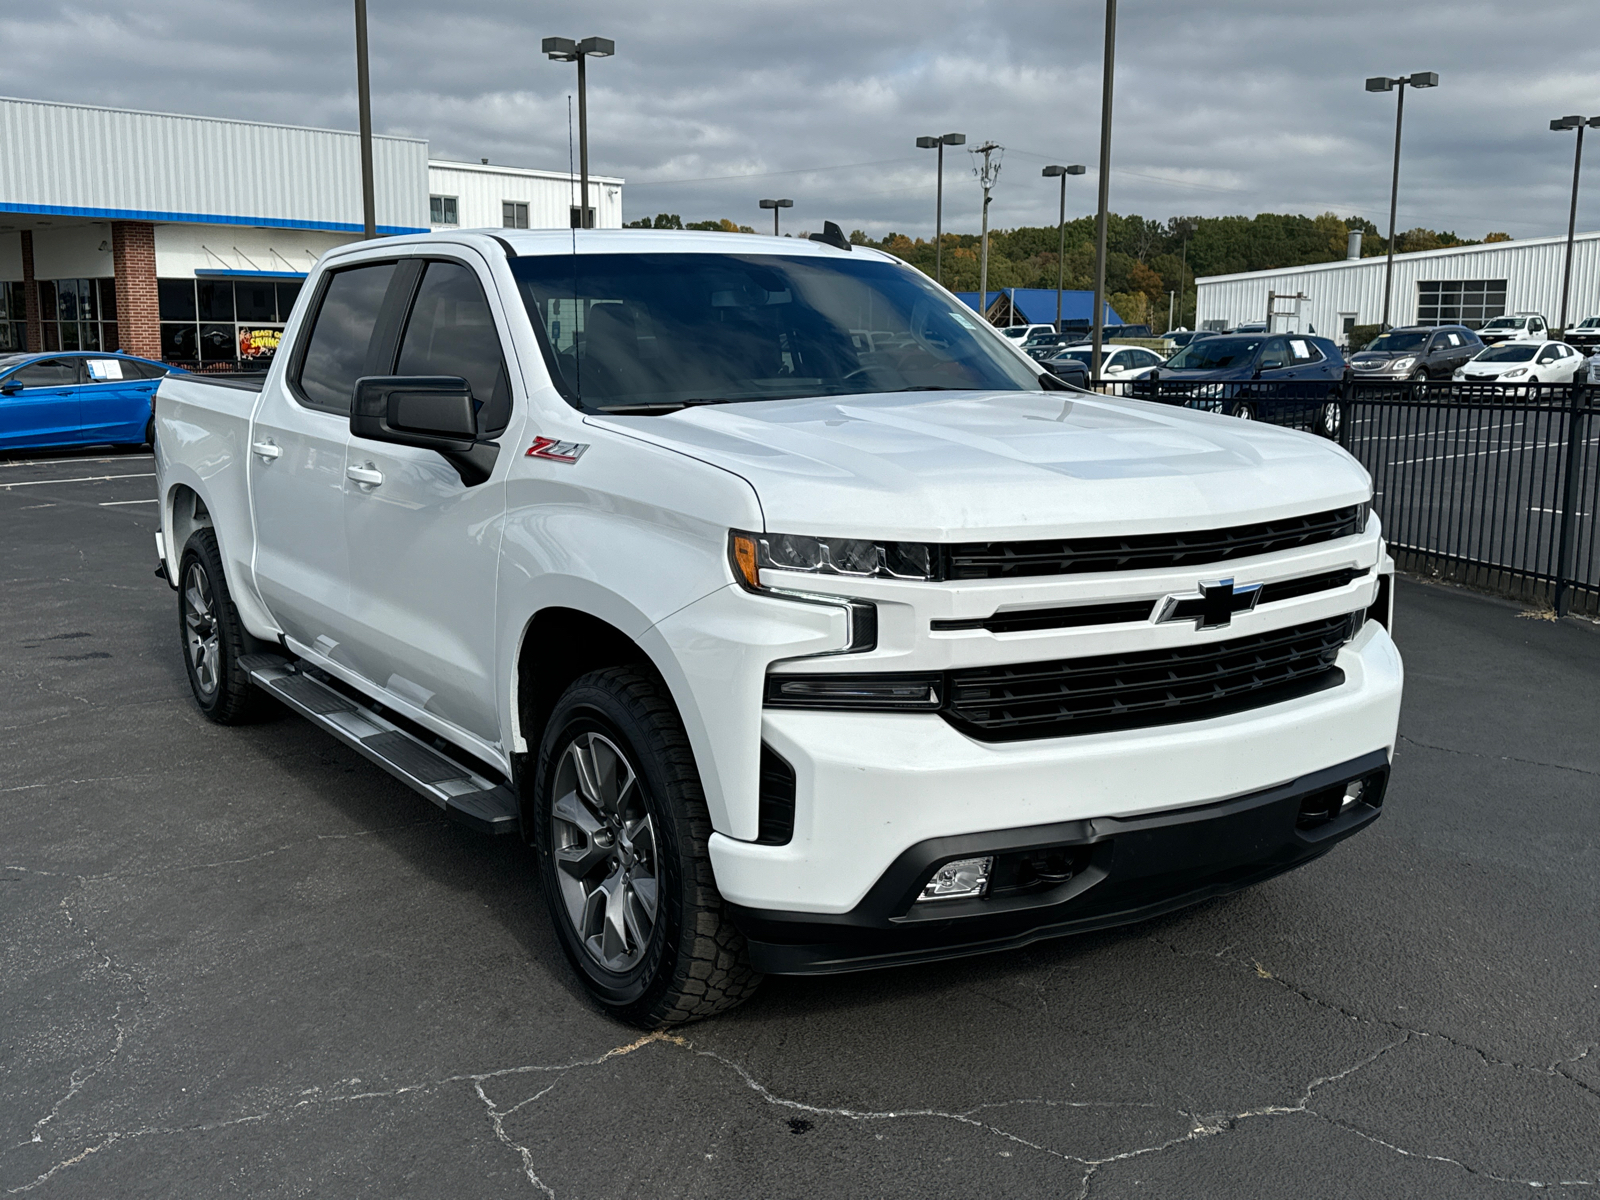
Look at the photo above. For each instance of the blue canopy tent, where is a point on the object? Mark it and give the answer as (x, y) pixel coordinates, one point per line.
(1037, 306)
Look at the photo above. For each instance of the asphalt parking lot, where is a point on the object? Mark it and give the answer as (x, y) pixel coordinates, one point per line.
(244, 961)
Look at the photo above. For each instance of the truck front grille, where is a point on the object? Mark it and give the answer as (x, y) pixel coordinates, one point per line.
(1147, 552)
(1161, 687)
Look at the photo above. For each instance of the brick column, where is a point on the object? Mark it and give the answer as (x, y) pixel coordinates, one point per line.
(30, 296)
(133, 261)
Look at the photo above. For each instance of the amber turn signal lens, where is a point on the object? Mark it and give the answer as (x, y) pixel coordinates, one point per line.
(744, 560)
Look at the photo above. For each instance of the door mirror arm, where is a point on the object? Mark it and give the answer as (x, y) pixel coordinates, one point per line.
(430, 412)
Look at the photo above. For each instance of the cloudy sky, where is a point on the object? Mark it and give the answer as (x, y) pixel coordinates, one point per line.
(1232, 106)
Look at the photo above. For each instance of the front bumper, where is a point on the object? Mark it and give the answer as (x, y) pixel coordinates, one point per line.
(1121, 869)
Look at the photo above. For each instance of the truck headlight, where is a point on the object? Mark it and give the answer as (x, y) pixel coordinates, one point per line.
(850, 557)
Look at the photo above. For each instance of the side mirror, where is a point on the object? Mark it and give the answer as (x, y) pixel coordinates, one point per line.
(430, 412)
(9, 389)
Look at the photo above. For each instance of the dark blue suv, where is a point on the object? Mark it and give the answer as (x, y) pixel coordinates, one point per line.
(1282, 378)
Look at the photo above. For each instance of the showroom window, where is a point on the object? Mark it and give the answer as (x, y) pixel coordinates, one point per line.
(1469, 302)
(13, 319)
(78, 314)
(442, 210)
(223, 320)
(513, 214)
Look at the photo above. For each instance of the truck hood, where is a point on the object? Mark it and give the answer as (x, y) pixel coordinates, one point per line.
(971, 466)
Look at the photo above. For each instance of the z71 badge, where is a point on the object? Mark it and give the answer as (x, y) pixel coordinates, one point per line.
(564, 452)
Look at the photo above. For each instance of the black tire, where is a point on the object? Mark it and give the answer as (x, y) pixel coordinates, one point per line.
(1328, 421)
(1244, 410)
(211, 636)
(692, 962)
(150, 433)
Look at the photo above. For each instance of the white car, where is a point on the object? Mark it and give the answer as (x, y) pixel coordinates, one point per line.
(1522, 362)
(1116, 360)
(1021, 333)
(789, 651)
(1516, 327)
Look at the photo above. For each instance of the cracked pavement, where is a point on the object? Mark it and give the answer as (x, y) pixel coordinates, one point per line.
(244, 961)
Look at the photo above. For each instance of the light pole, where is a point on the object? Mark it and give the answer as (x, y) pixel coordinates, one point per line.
(1561, 124)
(1382, 83)
(566, 50)
(775, 205)
(1051, 172)
(987, 174)
(1106, 75)
(369, 209)
(929, 143)
(1186, 228)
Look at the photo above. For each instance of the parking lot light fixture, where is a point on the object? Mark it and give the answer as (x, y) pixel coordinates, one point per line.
(566, 50)
(1561, 125)
(1382, 83)
(775, 205)
(939, 143)
(1052, 172)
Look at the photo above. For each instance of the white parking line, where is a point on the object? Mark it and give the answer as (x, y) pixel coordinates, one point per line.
(77, 479)
(114, 503)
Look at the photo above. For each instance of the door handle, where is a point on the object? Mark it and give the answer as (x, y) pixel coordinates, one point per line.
(367, 476)
(268, 450)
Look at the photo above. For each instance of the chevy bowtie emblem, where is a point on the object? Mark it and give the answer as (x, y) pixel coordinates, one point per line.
(1214, 607)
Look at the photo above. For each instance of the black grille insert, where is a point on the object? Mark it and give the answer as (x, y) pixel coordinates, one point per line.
(1072, 556)
(1127, 691)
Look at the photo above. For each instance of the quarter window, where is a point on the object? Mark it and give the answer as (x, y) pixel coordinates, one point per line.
(451, 332)
(336, 351)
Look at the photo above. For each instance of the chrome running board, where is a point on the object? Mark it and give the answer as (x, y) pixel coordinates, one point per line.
(465, 795)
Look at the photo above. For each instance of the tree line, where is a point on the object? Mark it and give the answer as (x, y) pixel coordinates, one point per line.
(1145, 259)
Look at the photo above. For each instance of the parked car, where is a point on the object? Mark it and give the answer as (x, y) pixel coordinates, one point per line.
(1116, 361)
(1523, 362)
(76, 399)
(1515, 327)
(1022, 333)
(1416, 352)
(1584, 337)
(1128, 332)
(1250, 327)
(1284, 379)
(620, 592)
(1183, 337)
(1045, 345)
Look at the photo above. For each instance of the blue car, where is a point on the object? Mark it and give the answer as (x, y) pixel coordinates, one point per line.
(1283, 378)
(76, 399)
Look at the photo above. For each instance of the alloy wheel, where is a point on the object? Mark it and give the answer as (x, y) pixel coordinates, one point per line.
(604, 847)
(200, 628)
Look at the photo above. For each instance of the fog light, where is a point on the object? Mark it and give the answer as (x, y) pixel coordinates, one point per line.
(1353, 792)
(959, 880)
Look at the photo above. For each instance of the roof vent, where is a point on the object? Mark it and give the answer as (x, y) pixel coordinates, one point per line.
(1354, 250)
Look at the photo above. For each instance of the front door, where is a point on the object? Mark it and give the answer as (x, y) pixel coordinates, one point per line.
(424, 546)
(297, 467)
(39, 404)
(114, 400)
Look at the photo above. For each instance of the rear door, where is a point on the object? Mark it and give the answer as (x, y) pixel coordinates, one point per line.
(114, 400)
(39, 404)
(424, 546)
(297, 467)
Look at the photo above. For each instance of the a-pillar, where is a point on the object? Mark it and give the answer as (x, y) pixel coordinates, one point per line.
(30, 297)
(133, 261)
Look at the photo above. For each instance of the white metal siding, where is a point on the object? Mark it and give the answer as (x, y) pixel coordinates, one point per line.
(1532, 271)
(163, 167)
(550, 195)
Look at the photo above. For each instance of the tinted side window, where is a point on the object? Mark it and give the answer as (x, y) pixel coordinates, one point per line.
(1275, 355)
(51, 372)
(451, 332)
(336, 351)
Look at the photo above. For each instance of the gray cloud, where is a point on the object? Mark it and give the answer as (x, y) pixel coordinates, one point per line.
(1233, 107)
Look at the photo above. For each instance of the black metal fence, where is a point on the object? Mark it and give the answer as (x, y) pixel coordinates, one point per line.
(1492, 486)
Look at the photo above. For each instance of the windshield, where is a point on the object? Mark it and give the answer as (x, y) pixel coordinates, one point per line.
(1589, 323)
(1505, 323)
(1215, 354)
(1513, 352)
(660, 331)
(1393, 342)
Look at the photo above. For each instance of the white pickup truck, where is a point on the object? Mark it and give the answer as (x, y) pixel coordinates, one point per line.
(797, 622)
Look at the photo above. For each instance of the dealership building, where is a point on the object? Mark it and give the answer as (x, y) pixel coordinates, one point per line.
(1465, 285)
(186, 238)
